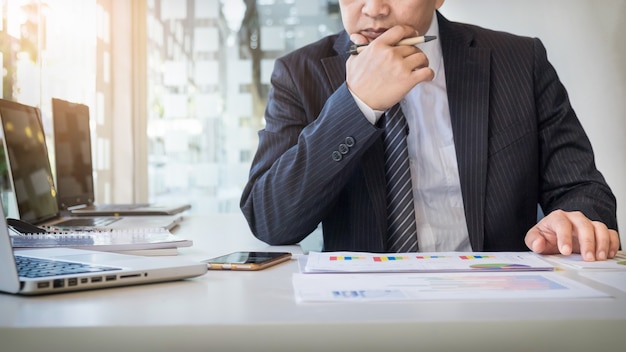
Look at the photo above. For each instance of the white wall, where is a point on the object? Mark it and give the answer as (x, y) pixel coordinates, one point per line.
(586, 44)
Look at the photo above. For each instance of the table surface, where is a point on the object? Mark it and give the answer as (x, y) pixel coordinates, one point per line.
(227, 310)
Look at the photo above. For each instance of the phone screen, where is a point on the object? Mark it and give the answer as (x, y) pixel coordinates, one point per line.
(247, 260)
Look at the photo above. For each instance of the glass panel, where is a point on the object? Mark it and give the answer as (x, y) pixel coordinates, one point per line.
(42, 44)
(206, 99)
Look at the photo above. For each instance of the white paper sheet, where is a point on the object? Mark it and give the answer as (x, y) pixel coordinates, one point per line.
(615, 279)
(576, 261)
(442, 286)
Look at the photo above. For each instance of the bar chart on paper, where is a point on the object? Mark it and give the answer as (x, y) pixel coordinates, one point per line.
(424, 262)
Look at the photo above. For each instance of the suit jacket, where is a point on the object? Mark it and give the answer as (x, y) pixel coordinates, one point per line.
(518, 144)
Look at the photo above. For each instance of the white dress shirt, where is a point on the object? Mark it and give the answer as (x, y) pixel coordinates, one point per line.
(439, 211)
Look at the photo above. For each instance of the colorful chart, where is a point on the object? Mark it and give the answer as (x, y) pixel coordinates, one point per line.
(345, 258)
(423, 262)
(499, 266)
(386, 258)
(467, 257)
(477, 282)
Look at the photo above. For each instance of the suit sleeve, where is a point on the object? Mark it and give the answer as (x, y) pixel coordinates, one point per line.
(304, 158)
(569, 178)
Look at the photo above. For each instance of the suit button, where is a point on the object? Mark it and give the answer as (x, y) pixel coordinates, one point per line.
(337, 156)
(350, 142)
(343, 149)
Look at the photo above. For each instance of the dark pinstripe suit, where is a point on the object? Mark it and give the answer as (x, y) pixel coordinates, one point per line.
(518, 144)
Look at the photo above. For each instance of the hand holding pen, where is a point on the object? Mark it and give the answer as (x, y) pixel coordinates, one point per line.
(357, 48)
(387, 66)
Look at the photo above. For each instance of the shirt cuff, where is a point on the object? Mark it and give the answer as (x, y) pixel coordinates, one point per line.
(370, 114)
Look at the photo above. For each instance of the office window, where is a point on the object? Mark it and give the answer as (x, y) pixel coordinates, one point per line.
(206, 99)
(198, 70)
(61, 49)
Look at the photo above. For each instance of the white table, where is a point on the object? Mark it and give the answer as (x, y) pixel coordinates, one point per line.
(256, 311)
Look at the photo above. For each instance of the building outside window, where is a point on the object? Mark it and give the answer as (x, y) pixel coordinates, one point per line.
(209, 64)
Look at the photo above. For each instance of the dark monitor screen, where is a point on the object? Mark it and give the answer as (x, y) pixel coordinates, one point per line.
(28, 162)
(72, 150)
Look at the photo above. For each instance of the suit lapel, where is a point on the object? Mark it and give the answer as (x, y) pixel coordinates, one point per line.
(335, 66)
(467, 79)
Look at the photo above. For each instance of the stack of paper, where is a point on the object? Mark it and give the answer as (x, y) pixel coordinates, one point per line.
(366, 277)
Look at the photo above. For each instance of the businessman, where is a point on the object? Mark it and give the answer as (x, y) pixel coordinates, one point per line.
(489, 135)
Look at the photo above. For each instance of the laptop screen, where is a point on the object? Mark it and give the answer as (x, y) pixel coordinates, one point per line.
(28, 162)
(72, 148)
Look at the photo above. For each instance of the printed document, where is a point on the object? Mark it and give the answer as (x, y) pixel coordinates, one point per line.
(362, 262)
(576, 261)
(374, 287)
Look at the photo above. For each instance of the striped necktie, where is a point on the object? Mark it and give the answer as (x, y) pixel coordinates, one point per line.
(401, 230)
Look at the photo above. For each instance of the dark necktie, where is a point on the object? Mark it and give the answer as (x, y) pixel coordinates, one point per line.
(401, 230)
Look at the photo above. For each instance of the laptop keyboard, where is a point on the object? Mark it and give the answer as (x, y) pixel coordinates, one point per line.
(37, 267)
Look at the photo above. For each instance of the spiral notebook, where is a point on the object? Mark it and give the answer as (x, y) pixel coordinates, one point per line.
(112, 240)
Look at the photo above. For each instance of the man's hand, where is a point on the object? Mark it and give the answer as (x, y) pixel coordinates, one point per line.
(383, 73)
(572, 232)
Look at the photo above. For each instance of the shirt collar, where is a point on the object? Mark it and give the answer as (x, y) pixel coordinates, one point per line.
(432, 49)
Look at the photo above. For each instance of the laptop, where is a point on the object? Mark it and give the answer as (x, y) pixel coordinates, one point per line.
(32, 181)
(74, 167)
(51, 270)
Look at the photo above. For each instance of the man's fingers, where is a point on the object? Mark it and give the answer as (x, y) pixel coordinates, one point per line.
(552, 235)
(607, 241)
(562, 228)
(602, 239)
(395, 34)
(584, 235)
(573, 232)
(535, 241)
(423, 74)
(614, 246)
(358, 38)
(390, 38)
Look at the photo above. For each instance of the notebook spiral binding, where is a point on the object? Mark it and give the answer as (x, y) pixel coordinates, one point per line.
(104, 239)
